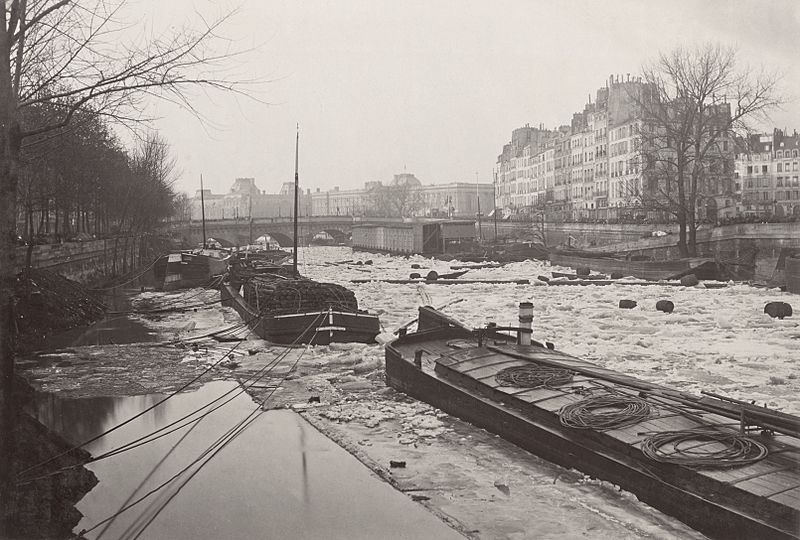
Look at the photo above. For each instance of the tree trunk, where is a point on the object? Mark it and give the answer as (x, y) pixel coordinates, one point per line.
(692, 245)
(9, 160)
(682, 217)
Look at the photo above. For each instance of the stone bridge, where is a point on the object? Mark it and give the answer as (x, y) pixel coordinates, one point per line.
(240, 232)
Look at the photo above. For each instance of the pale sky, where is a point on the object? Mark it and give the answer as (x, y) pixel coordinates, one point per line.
(433, 86)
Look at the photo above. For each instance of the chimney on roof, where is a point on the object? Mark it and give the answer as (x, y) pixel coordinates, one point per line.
(628, 77)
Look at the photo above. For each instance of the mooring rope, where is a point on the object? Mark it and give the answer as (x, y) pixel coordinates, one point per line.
(605, 412)
(739, 450)
(533, 376)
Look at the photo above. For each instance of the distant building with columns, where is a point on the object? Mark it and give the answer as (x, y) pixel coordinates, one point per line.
(455, 199)
(245, 200)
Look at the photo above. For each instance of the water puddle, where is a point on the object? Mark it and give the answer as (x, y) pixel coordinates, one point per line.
(280, 478)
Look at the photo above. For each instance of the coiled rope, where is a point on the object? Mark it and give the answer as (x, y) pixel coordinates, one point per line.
(605, 412)
(671, 447)
(533, 376)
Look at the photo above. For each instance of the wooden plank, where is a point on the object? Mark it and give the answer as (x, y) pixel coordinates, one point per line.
(788, 498)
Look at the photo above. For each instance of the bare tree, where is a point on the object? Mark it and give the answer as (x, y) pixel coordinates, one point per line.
(71, 56)
(693, 101)
(399, 199)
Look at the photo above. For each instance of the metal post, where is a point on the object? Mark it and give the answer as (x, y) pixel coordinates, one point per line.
(525, 322)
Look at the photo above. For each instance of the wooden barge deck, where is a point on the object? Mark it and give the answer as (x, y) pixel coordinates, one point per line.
(456, 370)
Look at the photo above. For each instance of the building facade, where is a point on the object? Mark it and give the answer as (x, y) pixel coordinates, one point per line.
(454, 200)
(593, 168)
(767, 175)
(245, 200)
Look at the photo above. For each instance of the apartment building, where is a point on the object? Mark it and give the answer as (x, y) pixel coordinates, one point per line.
(569, 172)
(767, 175)
(593, 168)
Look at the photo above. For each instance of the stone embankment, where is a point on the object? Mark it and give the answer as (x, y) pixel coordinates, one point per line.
(96, 260)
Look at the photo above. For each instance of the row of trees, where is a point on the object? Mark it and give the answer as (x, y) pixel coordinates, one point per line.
(81, 179)
(63, 63)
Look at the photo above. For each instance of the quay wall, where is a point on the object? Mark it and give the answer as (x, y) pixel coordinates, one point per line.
(728, 240)
(87, 262)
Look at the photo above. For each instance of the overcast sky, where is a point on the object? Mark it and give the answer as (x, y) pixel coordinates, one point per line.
(434, 87)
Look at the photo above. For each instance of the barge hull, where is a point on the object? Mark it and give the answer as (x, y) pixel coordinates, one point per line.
(317, 328)
(753, 501)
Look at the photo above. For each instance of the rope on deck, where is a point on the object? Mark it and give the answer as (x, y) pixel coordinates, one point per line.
(533, 376)
(671, 447)
(605, 412)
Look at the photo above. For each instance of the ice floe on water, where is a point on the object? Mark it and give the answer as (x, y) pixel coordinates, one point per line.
(717, 340)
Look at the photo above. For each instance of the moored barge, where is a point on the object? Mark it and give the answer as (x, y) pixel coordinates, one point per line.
(728, 469)
(285, 308)
(186, 269)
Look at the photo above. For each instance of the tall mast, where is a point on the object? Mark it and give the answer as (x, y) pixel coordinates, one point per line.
(494, 203)
(203, 210)
(296, 194)
(478, 197)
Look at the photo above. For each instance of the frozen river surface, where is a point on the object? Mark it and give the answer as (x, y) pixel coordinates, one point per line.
(717, 340)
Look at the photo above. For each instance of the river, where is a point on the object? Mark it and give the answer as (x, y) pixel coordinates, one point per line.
(279, 479)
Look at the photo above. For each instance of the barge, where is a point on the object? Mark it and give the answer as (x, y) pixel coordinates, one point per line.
(285, 308)
(186, 269)
(726, 468)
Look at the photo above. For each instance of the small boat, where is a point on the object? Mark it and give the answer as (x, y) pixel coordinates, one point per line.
(702, 267)
(724, 467)
(187, 269)
(282, 306)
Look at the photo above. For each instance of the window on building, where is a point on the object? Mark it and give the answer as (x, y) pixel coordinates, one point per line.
(764, 169)
(779, 182)
(780, 167)
(794, 166)
(750, 169)
(765, 195)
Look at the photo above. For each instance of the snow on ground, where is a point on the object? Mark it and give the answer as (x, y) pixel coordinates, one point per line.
(717, 340)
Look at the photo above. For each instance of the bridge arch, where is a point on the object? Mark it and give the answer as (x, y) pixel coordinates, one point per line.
(282, 239)
(328, 235)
